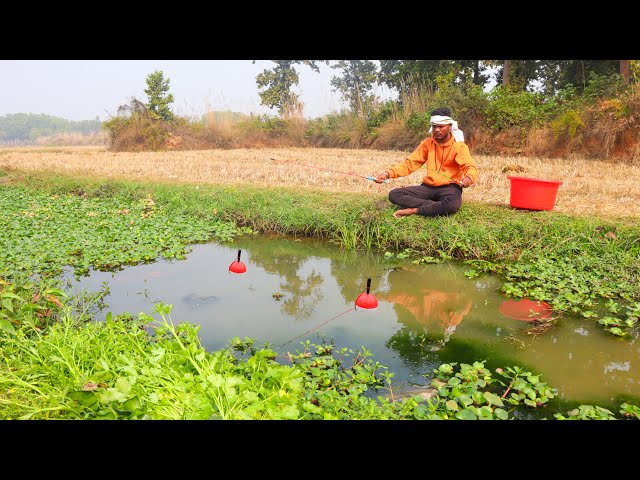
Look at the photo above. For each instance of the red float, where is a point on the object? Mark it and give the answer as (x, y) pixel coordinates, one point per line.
(237, 266)
(367, 300)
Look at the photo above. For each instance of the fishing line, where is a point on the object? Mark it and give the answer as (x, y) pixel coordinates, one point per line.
(330, 170)
(444, 175)
(447, 176)
(316, 327)
(365, 300)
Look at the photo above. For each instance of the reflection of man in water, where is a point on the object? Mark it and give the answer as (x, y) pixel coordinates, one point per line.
(434, 309)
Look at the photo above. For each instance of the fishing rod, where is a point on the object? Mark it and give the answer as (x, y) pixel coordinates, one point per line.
(331, 170)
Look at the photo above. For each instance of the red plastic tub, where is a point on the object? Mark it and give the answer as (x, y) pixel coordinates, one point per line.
(533, 193)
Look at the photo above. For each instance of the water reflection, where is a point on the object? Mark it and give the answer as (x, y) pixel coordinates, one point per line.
(300, 286)
(427, 303)
(427, 314)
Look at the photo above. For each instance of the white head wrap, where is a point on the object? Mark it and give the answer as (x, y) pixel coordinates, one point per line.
(455, 131)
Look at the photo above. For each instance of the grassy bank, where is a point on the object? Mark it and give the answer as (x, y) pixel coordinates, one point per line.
(577, 264)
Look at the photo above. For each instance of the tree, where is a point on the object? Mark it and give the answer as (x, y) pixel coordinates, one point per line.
(408, 77)
(356, 82)
(159, 98)
(474, 70)
(578, 73)
(506, 72)
(624, 71)
(277, 84)
(518, 75)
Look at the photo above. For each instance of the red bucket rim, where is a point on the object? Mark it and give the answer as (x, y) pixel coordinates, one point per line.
(555, 182)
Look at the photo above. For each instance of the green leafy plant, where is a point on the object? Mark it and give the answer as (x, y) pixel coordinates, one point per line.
(586, 412)
(27, 305)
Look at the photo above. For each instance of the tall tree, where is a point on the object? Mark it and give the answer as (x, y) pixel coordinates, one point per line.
(159, 97)
(475, 70)
(506, 73)
(518, 75)
(356, 83)
(624, 71)
(277, 84)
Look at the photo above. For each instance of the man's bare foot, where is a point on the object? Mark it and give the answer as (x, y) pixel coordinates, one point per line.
(404, 212)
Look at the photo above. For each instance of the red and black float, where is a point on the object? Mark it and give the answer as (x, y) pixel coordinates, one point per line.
(367, 300)
(237, 266)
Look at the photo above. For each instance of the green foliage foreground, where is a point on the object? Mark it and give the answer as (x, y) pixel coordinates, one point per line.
(57, 363)
(117, 370)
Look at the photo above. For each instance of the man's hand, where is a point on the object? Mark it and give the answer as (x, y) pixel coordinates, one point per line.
(466, 181)
(381, 177)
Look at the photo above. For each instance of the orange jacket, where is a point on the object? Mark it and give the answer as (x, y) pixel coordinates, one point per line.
(451, 161)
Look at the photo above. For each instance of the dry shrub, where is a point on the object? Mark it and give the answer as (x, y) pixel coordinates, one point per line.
(190, 137)
(252, 134)
(539, 142)
(607, 122)
(263, 131)
(72, 138)
(483, 142)
(342, 130)
(292, 126)
(505, 142)
(216, 132)
(635, 155)
(415, 100)
(219, 131)
(134, 130)
(609, 129)
(353, 132)
(295, 128)
(144, 136)
(632, 103)
(393, 134)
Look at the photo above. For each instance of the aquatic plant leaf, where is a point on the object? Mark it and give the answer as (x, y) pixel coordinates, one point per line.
(452, 405)
(466, 414)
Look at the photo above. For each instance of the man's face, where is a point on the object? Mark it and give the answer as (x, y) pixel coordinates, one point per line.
(441, 132)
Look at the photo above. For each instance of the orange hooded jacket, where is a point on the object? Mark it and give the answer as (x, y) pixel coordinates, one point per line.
(445, 164)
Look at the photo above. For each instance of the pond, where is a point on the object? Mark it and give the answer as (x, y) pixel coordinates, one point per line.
(306, 289)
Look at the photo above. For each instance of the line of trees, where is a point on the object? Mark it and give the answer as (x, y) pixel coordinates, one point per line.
(357, 79)
(27, 127)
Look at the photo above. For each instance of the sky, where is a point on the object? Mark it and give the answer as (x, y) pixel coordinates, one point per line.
(86, 89)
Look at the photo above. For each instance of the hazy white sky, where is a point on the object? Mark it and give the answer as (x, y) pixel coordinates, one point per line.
(84, 89)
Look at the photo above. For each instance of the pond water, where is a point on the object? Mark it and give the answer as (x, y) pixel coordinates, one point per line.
(305, 289)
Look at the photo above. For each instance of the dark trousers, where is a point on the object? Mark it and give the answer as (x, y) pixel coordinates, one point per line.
(430, 201)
